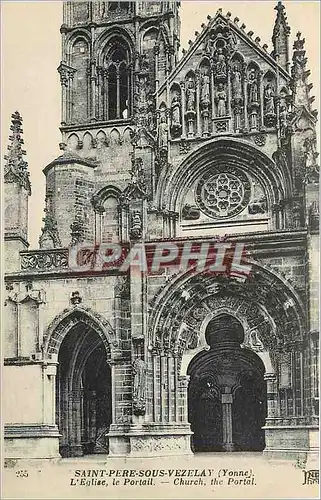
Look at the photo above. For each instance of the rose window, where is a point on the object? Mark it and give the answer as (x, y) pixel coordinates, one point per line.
(223, 194)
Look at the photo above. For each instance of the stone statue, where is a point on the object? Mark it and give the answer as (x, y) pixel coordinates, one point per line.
(163, 133)
(139, 387)
(237, 83)
(136, 226)
(252, 86)
(205, 89)
(190, 212)
(257, 206)
(268, 100)
(142, 94)
(220, 65)
(190, 96)
(221, 100)
(176, 112)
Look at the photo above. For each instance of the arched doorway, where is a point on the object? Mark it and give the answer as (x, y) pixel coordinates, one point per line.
(83, 393)
(227, 392)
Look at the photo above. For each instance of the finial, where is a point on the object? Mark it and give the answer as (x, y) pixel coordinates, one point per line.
(279, 6)
(257, 40)
(243, 26)
(250, 33)
(236, 20)
(14, 157)
(228, 15)
(299, 43)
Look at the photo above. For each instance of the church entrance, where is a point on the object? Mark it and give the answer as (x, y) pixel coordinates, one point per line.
(227, 392)
(83, 393)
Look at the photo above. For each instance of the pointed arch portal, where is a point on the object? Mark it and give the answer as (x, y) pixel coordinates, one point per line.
(227, 397)
(83, 393)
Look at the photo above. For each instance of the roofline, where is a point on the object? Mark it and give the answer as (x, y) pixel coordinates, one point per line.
(240, 32)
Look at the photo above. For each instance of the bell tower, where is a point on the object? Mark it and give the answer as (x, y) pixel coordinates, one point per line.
(104, 45)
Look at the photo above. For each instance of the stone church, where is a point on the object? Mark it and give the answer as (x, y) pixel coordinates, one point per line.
(219, 143)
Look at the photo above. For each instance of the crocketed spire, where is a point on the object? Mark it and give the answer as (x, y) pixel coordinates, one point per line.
(16, 168)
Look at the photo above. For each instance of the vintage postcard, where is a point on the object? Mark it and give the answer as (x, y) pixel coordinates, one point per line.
(160, 330)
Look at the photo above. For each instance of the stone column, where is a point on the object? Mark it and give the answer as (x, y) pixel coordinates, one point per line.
(75, 417)
(183, 109)
(261, 90)
(183, 382)
(212, 94)
(227, 401)
(246, 120)
(272, 403)
(198, 111)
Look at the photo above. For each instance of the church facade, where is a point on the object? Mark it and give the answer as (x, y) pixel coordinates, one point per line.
(217, 145)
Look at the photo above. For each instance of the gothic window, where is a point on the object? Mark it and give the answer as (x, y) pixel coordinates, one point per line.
(107, 218)
(117, 84)
(223, 194)
(119, 6)
(109, 226)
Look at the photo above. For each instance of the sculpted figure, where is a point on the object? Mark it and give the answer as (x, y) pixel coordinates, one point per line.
(190, 96)
(205, 89)
(176, 111)
(220, 63)
(221, 100)
(253, 90)
(139, 370)
(237, 82)
(162, 133)
(268, 99)
(136, 226)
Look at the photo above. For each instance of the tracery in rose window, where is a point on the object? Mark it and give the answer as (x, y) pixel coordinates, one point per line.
(224, 193)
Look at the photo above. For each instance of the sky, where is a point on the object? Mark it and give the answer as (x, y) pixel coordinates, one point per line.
(31, 52)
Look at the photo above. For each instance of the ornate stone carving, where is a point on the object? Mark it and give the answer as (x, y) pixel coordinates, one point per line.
(50, 236)
(136, 228)
(137, 186)
(159, 443)
(224, 194)
(77, 231)
(139, 387)
(312, 169)
(190, 212)
(260, 139)
(220, 65)
(220, 99)
(190, 95)
(257, 206)
(75, 298)
(269, 105)
(44, 260)
(205, 89)
(162, 135)
(237, 90)
(252, 87)
(184, 147)
(176, 125)
(15, 168)
(314, 216)
(122, 287)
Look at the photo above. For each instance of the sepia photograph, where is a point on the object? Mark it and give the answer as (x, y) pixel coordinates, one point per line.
(160, 251)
